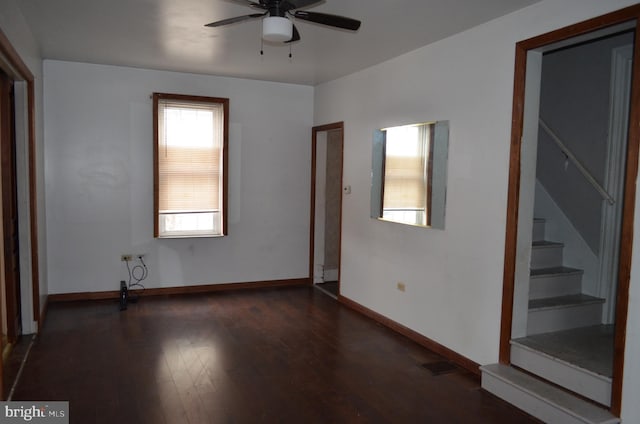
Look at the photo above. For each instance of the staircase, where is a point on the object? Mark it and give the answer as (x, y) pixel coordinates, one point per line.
(556, 301)
(562, 323)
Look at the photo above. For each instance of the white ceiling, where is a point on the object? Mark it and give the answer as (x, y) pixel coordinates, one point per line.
(170, 34)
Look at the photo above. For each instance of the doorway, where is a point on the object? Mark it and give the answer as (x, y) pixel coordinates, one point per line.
(10, 249)
(24, 132)
(524, 236)
(326, 207)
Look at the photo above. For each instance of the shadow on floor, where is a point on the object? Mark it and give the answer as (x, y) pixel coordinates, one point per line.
(329, 286)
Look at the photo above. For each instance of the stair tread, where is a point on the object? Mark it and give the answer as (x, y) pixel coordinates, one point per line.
(556, 270)
(563, 301)
(550, 394)
(546, 243)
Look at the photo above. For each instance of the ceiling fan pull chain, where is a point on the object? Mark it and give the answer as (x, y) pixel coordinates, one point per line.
(290, 55)
(261, 47)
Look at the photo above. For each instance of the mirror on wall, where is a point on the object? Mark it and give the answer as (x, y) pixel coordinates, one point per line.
(409, 174)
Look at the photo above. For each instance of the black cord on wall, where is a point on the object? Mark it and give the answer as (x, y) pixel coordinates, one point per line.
(137, 274)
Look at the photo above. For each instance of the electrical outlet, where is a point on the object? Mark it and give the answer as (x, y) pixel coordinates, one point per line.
(401, 286)
(125, 258)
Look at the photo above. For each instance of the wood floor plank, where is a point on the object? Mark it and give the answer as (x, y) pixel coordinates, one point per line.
(276, 355)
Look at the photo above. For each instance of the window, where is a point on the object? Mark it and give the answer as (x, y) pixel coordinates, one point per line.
(406, 183)
(190, 150)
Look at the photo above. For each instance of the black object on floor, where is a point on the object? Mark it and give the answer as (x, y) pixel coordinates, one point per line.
(124, 295)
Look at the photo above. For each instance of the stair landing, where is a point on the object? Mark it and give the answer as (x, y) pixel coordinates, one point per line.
(590, 348)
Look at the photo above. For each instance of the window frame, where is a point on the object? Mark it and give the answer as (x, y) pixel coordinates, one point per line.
(157, 97)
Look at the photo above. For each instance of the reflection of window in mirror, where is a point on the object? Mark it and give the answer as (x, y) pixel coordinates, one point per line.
(409, 174)
(407, 168)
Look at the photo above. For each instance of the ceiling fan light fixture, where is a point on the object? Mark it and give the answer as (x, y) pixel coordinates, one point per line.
(277, 29)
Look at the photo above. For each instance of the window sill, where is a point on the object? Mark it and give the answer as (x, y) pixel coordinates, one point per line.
(182, 236)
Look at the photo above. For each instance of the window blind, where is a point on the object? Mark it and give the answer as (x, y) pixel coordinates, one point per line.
(190, 141)
(405, 179)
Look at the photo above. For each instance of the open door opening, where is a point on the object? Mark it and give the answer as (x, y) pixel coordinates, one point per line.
(564, 315)
(12, 321)
(21, 127)
(567, 259)
(326, 207)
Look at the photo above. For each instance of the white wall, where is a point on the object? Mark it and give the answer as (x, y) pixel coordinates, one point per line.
(453, 277)
(14, 26)
(99, 173)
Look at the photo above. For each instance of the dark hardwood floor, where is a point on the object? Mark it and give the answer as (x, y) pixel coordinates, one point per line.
(291, 355)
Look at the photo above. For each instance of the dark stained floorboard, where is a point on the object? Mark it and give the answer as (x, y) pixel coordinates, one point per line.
(289, 355)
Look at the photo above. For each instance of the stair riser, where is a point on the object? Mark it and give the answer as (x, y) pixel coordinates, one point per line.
(594, 387)
(554, 285)
(548, 320)
(540, 399)
(546, 256)
(538, 230)
(528, 403)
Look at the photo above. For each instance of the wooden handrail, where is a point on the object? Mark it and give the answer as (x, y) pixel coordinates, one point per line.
(585, 173)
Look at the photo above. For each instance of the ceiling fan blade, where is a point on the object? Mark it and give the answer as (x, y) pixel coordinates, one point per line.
(251, 3)
(234, 20)
(295, 36)
(261, 5)
(327, 19)
(296, 4)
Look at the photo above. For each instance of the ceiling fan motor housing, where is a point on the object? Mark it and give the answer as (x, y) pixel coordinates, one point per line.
(277, 29)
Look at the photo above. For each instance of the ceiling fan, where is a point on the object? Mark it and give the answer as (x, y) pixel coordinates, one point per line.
(277, 27)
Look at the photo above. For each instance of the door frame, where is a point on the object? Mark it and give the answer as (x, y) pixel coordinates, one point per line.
(312, 211)
(628, 14)
(621, 73)
(20, 72)
(10, 216)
